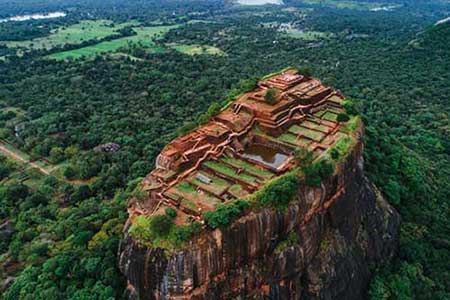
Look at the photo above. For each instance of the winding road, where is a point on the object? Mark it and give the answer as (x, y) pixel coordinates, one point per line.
(23, 160)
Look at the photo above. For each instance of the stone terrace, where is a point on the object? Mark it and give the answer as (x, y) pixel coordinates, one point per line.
(243, 147)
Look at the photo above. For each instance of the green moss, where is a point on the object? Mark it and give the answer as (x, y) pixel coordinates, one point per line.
(325, 245)
(290, 241)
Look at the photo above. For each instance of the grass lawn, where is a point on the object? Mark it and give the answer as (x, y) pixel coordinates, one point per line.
(238, 163)
(309, 36)
(237, 191)
(74, 34)
(196, 49)
(216, 187)
(145, 37)
(329, 116)
(316, 126)
(230, 172)
(201, 199)
(292, 139)
(312, 134)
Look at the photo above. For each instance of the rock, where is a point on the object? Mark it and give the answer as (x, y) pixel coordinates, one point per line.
(6, 231)
(341, 229)
(5, 284)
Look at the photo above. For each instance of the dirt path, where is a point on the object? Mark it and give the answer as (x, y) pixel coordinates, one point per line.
(23, 160)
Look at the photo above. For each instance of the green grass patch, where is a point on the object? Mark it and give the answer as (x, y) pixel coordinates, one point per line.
(238, 163)
(237, 191)
(342, 146)
(230, 172)
(330, 116)
(343, 4)
(216, 187)
(315, 135)
(196, 49)
(161, 231)
(292, 139)
(316, 126)
(351, 125)
(185, 190)
(75, 34)
(309, 36)
(145, 37)
(185, 187)
(189, 204)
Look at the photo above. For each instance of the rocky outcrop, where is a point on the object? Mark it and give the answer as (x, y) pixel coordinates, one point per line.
(343, 229)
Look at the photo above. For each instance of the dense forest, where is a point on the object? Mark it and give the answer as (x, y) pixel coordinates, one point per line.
(59, 232)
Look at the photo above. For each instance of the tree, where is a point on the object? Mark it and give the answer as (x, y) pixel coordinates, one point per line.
(342, 117)
(161, 225)
(56, 154)
(70, 172)
(270, 96)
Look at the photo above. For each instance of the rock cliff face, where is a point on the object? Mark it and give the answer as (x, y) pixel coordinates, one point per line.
(342, 230)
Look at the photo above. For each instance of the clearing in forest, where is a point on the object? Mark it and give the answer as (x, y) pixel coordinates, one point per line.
(75, 34)
(309, 36)
(357, 5)
(145, 36)
(196, 49)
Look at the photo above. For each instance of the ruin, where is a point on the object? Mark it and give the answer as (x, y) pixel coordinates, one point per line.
(243, 147)
(265, 252)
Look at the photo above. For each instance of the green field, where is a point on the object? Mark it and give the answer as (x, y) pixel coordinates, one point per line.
(74, 34)
(196, 49)
(309, 35)
(145, 37)
(357, 5)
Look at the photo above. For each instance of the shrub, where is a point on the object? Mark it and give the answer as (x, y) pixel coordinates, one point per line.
(315, 173)
(303, 157)
(70, 173)
(186, 128)
(349, 107)
(334, 154)
(224, 214)
(183, 233)
(270, 96)
(279, 192)
(342, 117)
(248, 85)
(160, 225)
(172, 213)
(140, 230)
